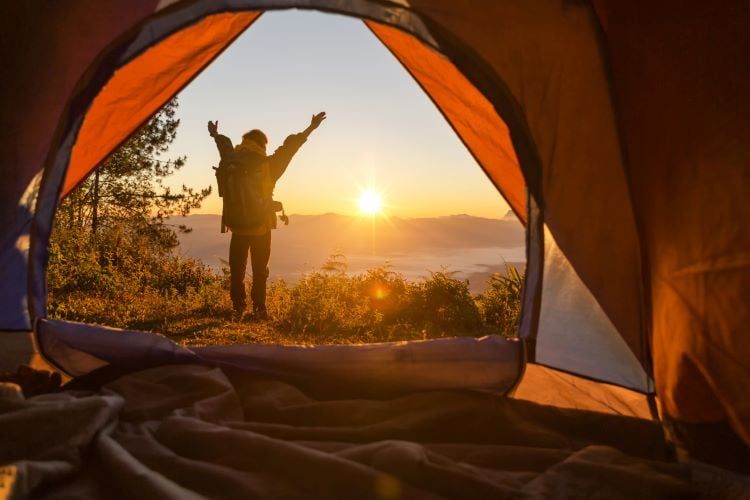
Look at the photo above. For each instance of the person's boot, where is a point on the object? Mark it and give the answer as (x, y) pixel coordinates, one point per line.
(260, 313)
(238, 313)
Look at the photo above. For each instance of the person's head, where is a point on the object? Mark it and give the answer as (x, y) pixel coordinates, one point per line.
(255, 136)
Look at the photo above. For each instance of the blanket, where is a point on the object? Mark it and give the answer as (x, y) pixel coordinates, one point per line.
(192, 431)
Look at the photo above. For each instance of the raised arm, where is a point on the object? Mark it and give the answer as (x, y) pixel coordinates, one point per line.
(314, 123)
(280, 158)
(223, 143)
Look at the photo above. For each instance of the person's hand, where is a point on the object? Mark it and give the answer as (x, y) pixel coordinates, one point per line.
(213, 128)
(317, 120)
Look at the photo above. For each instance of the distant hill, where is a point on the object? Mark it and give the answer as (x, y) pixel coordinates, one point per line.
(473, 246)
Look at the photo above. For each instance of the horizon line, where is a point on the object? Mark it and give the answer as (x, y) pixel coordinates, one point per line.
(509, 215)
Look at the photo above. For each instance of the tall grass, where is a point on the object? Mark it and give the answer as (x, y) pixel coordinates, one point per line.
(183, 299)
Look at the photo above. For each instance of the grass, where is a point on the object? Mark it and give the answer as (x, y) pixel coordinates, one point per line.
(327, 306)
(126, 279)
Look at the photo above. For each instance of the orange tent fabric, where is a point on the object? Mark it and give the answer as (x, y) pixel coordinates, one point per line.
(141, 88)
(555, 388)
(45, 55)
(470, 114)
(682, 84)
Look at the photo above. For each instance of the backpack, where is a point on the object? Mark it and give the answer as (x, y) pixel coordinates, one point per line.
(239, 178)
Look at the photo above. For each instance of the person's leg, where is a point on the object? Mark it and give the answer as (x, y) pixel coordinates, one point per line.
(238, 248)
(260, 253)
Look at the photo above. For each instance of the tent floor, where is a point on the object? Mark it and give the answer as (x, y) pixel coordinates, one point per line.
(181, 431)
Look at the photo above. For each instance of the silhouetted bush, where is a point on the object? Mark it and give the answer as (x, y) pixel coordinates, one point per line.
(122, 278)
(500, 303)
(443, 305)
(123, 282)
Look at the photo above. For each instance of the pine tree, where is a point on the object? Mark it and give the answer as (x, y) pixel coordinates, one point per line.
(129, 189)
(113, 229)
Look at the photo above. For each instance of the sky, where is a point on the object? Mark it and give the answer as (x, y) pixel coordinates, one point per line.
(382, 131)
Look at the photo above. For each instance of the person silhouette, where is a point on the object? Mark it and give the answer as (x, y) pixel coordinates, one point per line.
(255, 235)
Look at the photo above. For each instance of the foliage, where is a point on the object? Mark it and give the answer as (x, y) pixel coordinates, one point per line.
(129, 187)
(335, 264)
(500, 303)
(183, 299)
(116, 280)
(444, 303)
(111, 252)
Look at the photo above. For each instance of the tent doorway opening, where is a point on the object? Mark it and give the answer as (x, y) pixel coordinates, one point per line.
(443, 256)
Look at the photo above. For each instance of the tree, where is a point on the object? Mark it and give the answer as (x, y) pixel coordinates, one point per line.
(110, 232)
(129, 189)
(335, 264)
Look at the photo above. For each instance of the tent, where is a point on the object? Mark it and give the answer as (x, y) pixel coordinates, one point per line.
(618, 132)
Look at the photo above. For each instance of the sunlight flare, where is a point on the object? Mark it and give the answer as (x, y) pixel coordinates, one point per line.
(370, 202)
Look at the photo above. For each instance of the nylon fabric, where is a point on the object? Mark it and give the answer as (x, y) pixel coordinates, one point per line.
(548, 386)
(574, 334)
(489, 363)
(682, 90)
(548, 57)
(46, 56)
(470, 114)
(141, 88)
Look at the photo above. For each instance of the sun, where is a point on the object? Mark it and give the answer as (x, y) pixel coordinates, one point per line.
(370, 202)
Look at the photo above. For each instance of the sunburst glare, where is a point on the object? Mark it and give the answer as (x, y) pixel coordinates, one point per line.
(370, 202)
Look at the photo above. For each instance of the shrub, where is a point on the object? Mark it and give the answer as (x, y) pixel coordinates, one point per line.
(500, 303)
(386, 292)
(326, 307)
(443, 305)
(122, 282)
(120, 278)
